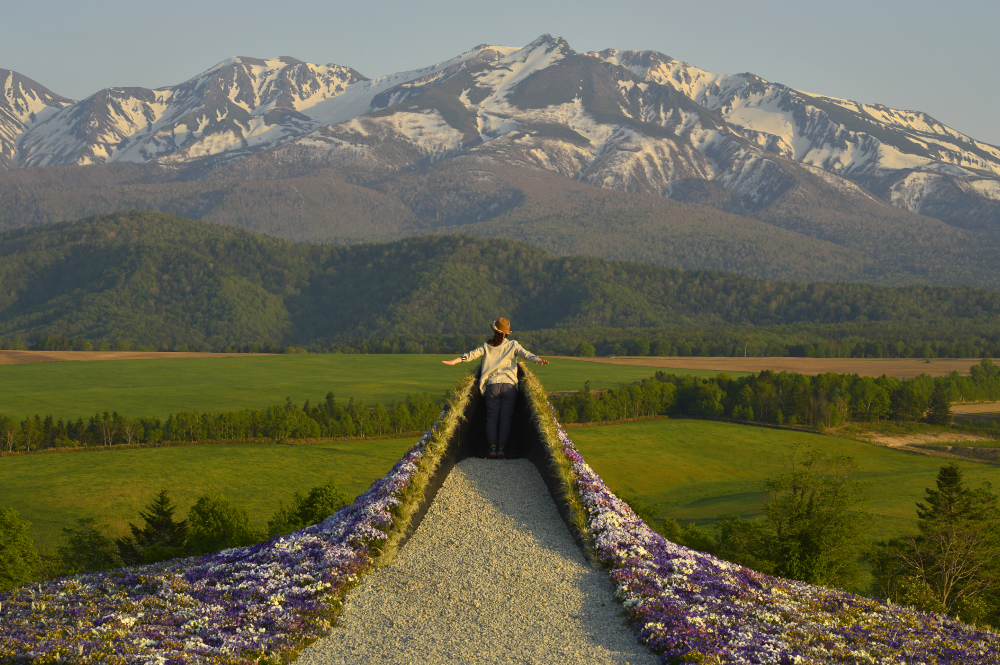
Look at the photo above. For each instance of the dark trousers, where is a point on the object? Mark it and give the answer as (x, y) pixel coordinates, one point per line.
(500, 398)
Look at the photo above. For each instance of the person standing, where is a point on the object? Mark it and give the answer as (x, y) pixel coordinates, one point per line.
(498, 382)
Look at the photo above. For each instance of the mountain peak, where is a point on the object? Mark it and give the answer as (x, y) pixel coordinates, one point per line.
(545, 44)
(23, 103)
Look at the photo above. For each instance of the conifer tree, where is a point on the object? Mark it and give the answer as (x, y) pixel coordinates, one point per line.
(159, 538)
(951, 565)
(940, 411)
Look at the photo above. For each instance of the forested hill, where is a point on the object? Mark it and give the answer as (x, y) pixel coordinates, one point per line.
(153, 279)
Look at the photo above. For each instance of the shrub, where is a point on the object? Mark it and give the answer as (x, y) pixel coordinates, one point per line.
(215, 523)
(18, 557)
(321, 502)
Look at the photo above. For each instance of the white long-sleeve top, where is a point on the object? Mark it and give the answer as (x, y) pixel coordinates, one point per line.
(499, 362)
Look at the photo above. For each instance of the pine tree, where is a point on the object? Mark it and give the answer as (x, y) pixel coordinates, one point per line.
(951, 566)
(160, 536)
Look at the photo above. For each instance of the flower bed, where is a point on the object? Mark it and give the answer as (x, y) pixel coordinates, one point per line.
(692, 607)
(258, 604)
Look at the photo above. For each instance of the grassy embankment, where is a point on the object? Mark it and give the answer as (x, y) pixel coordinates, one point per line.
(159, 387)
(697, 470)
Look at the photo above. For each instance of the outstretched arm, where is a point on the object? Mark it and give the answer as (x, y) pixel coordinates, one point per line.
(466, 357)
(527, 355)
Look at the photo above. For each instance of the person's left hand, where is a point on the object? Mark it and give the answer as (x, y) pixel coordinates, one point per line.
(545, 362)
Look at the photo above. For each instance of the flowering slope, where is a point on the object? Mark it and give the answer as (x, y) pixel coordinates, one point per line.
(245, 605)
(692, 607)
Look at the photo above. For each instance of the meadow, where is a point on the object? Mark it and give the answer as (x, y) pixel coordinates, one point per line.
(53, 491)
(696, 470)
(162, 386)
(689, 470)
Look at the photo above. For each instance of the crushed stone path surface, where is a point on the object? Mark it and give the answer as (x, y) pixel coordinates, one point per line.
(491, 575)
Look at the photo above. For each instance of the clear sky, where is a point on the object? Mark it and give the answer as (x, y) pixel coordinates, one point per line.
(936, 57)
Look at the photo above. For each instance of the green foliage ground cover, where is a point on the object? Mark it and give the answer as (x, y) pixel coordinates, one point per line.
(53, 491)
(695, 470)
(156, 388)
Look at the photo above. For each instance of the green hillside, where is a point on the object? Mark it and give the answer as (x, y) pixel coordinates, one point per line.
(155, 279)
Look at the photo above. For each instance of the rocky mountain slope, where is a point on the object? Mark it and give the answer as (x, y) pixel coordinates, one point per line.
(322, 153)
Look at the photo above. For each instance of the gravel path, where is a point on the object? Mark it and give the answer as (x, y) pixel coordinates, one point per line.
(491, 575)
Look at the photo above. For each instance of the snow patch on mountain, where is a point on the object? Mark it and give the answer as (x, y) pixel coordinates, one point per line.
(989, 189)
(910, 192)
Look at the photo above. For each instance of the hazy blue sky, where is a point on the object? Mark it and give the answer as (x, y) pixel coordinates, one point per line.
(936, 57)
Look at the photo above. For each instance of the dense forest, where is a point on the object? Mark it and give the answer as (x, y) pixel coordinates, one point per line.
(150, 280)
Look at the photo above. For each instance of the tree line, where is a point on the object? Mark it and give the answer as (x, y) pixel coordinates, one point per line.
(213, 523)
(883, 340)
(325, 419)
(787, 398)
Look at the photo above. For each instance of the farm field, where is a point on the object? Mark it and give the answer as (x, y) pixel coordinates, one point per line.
(900, 368)
(976, 413)
(52, 491)
(211, 382)
(696, 470)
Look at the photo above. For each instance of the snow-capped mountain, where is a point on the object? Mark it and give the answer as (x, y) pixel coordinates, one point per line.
(627, 120)
(907, 157)
(24, 104)
(643, 122)
(546, 106)
(238, 104)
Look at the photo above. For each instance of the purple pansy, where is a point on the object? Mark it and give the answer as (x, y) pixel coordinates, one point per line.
(230, 607)
(689, 606)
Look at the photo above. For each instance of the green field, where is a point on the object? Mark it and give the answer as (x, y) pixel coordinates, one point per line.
(688, 469)
(52, 491)
(695, 470)
(163, 386)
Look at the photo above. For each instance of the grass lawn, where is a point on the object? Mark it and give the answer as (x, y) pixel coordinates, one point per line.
(160, 387)
(52, 491)
(694, 470)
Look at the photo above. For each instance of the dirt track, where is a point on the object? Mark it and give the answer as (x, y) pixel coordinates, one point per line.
(22, 357)
(901, 369)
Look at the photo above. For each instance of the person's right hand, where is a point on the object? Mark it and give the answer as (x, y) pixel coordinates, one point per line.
(453, 361)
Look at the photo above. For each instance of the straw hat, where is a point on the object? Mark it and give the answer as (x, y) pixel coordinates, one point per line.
(501, 325)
